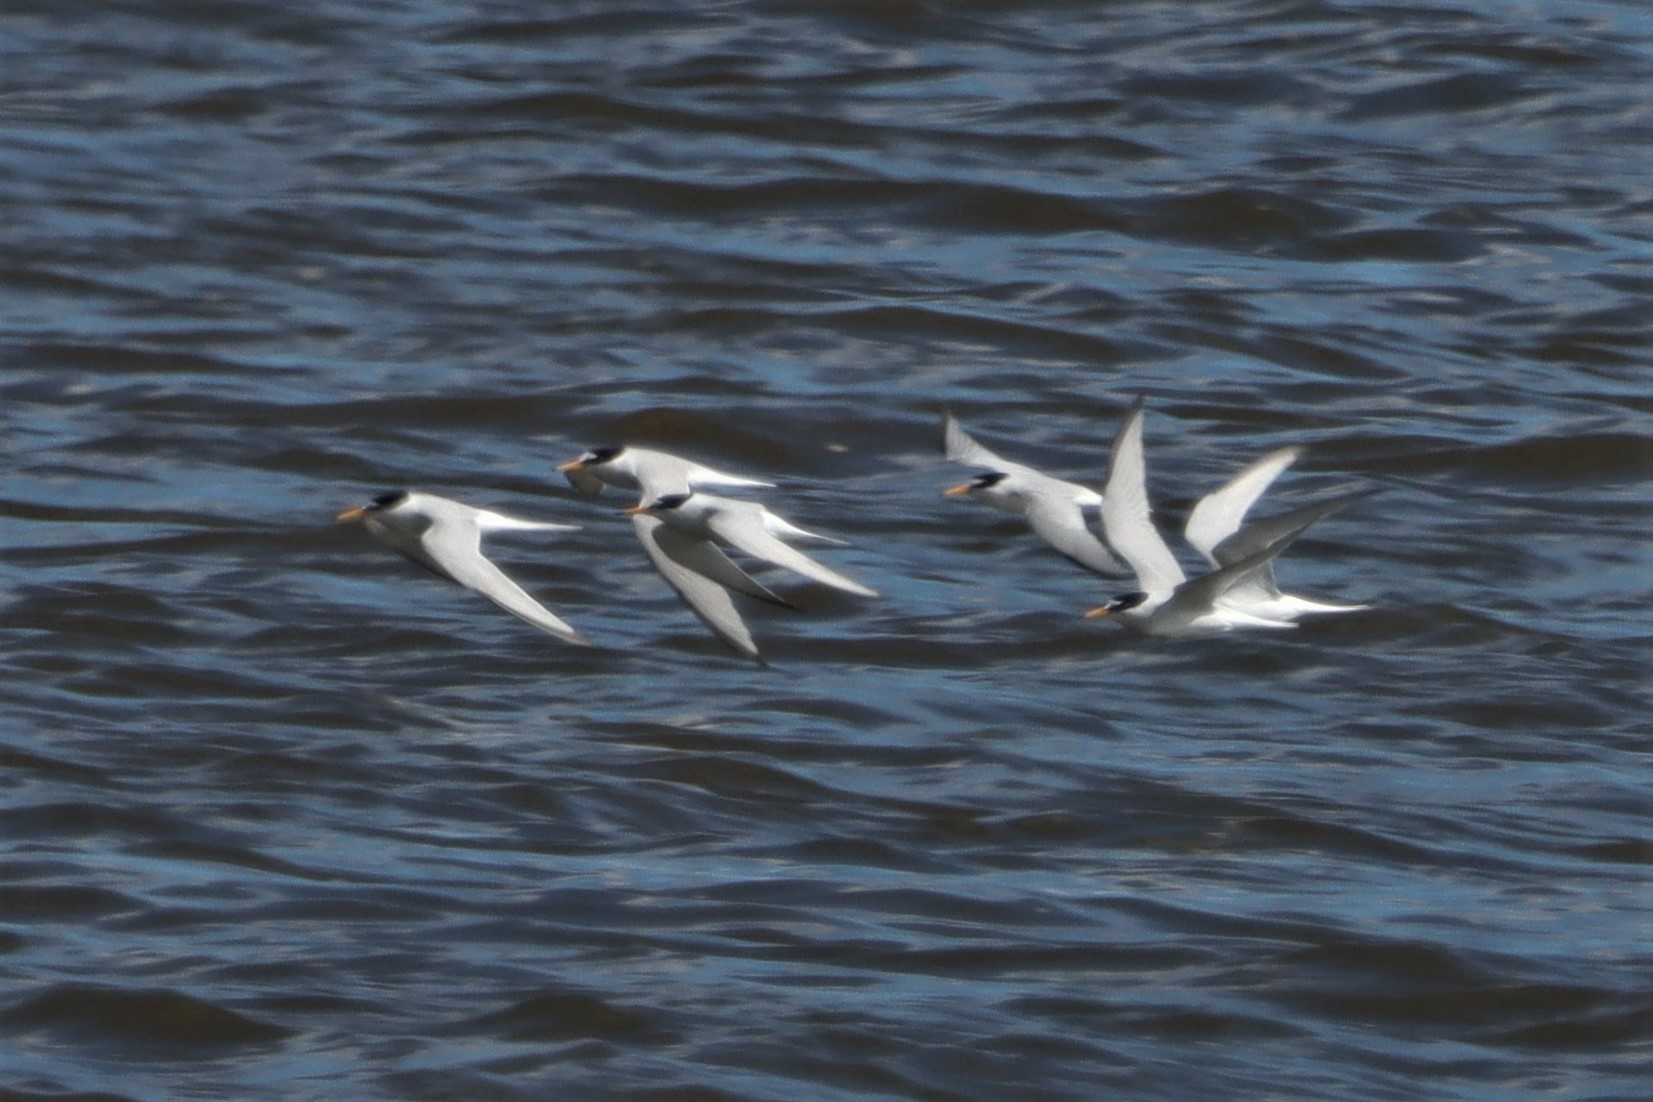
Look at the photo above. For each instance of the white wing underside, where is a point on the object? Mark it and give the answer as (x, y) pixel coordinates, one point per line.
(455, 549)
(961, 447)
(703, 477)
(782, 528)
(661, 473)
(1061, 523)
(489, 521)
(748, 532)
(1126, 519)
(686, 561)
(656, 474)
(1220, 513)
(585, 483)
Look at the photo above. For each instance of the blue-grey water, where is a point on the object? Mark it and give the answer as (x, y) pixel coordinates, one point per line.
(283, 816)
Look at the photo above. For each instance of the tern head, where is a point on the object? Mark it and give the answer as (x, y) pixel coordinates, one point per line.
(595, 457)
(980, 482)
(1123, 603)
(665, 503)
(381, 502)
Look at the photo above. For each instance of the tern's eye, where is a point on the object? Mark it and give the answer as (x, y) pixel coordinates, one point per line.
(601, 455)
(390, 499)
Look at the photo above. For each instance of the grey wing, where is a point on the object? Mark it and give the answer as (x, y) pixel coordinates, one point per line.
(1287, 526)
(1198, 596)
(1126, 520)
(1061, 523)
(1258, 586)
(585, 483)
(679, 556)
(1220, 513)
(746, 532)
(456, 549)
(1266, 539)
(961, 447)
(706, 558)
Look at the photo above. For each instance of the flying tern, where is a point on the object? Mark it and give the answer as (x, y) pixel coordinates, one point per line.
(1213, 529)
(445, 537)
(1053, 508)
(1169, 602)
(652, 472)
(681, 533)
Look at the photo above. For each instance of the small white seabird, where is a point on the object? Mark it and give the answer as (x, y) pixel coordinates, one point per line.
(681, 533)
(1169, 602)
(445, 537)
(749, 527)
(652, 472)
(1054, 509)
(703, 575)
(1213, 529)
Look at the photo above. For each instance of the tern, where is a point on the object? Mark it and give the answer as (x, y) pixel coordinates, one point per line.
(1169, 602)
(652, 472)
(445, 537)
(681, 533)
(1053, 508)
(1213, 529)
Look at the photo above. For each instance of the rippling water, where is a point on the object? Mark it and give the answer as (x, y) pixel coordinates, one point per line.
(285, 817)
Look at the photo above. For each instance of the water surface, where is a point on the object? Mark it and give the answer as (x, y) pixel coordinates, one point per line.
(284, 816)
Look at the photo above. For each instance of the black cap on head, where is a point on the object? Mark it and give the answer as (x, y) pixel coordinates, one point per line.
(669, 501)
(1126, 601)
(604, 454)
(389, 499)
(991, 478)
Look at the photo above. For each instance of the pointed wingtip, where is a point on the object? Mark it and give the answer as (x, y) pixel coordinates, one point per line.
(1322, 510)
(1129, 425)
(1135, 414)
(1284, 457)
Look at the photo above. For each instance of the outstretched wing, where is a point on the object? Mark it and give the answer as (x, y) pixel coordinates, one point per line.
(1126, 520)
(701, 476)
(1285, 527)
(1220, 513)
(1248, 553)
(1061, 523)
(489, 522)
(746, 531)
(683, 562)
(961, 447)
(456, 549)
(584, 482)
